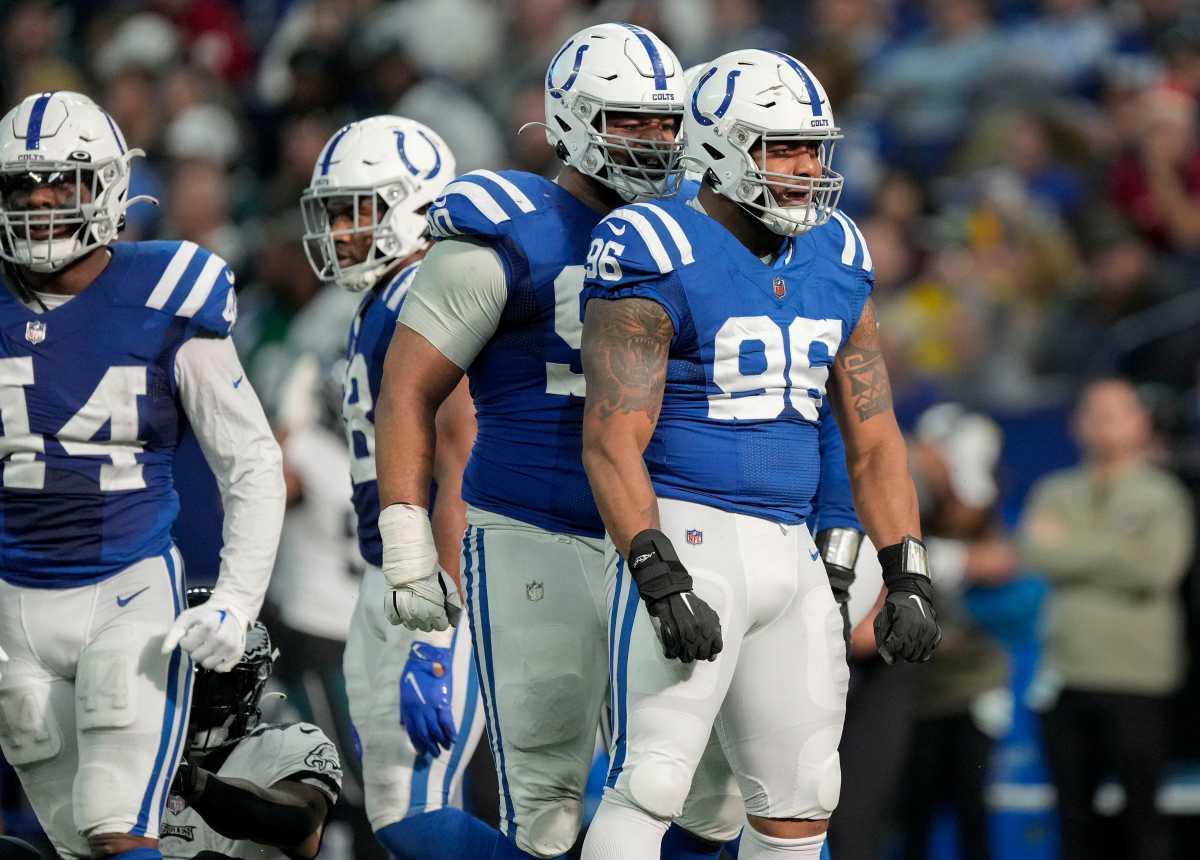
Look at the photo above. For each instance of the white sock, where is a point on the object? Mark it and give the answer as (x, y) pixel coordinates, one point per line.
(759, 846)
(622, 832)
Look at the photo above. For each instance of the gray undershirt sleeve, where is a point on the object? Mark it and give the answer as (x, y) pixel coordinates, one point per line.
(456, 299)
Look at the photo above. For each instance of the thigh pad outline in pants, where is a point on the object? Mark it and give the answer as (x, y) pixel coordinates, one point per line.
(534, 604)
(398, 782)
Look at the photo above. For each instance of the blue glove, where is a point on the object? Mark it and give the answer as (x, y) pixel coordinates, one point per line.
(425, 686)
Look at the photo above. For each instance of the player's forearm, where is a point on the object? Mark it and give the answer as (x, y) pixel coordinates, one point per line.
(241, 450)
(884, 496)
(238, 809)
(455, 435)
(621, 487)
(413, 388)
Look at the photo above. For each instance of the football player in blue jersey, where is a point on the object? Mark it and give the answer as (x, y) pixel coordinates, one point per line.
(498, 299)
(108, 351)
(712, 327)
(412, 696)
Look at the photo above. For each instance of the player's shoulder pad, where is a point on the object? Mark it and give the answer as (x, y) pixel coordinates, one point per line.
(393, 294)
(840, 240)
(184, 280)
(648, 238)
(485, 203)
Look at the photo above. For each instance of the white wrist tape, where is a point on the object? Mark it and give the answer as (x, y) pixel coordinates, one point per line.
(409, 552)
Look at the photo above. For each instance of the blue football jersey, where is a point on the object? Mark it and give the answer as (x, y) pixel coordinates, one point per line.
(90, 415)
(751, 353)
(527, 382)
(366, 350)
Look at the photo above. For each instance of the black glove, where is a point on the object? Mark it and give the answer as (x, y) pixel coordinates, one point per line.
(189, 781)
(839, 551)
(687, 626)
(906, 625)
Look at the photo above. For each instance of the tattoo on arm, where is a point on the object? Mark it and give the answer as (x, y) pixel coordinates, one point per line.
(625, 344)
(861, 359)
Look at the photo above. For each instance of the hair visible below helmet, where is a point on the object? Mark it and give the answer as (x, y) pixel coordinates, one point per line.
(614, 68)
(398, 166)
(225, 704)
(61, 139)
(744, 101)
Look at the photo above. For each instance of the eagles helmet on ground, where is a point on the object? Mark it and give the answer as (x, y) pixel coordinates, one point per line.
(399, 167)
(740, 103)
(65, 140)
(225, 704)
(614, 68)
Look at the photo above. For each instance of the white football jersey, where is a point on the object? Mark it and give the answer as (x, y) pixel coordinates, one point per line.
(299, 751)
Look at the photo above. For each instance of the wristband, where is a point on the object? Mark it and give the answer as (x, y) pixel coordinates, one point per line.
(655, 566)
(839, 547)
(907, 558)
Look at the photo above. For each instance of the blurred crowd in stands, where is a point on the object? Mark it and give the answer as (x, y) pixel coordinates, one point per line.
(1027, 176)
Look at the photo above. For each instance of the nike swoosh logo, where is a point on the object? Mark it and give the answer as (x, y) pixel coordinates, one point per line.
(815, 554)
(686, 603)
(124, 601)
(920, 605)
(311, 731)
(238, 381)
(221, 612)
(412, 682)
(617, 232)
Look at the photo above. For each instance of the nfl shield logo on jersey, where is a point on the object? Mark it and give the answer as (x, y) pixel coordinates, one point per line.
(695, 537)
(780, 288)
(176, 804)
(35, 331)
(534, 591)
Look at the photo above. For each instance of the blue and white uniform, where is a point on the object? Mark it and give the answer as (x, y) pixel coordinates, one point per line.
(499, 297)
(735, 461)
(399, 783)
(95, 392)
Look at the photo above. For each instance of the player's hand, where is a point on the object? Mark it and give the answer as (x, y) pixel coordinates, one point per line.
(425, 687)
(688, 628)
(214, 634)
(427, 604)
(906, 626)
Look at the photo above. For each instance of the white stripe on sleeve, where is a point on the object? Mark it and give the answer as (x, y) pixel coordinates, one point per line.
(866, 263)
(517, 195)
(848, 248)
(681, 241)
(480, 199)
(171, 275)
(202, 287)
(649, 235)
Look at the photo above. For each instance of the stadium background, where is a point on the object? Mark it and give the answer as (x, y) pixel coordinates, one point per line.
(997, 158)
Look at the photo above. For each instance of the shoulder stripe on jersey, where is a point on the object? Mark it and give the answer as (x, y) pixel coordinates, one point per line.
(849, 242)
(682, 245)
(171, 275)
(480, 199)
(393, 295)
(649, 236)
(862, 241)
(202, 287)
(517, 195)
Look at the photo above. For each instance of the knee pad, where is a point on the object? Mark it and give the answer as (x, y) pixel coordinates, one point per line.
(716, 817)
(659, 786)
(553, 829)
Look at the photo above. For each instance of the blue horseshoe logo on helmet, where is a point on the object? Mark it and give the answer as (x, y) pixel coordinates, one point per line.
(556, 92)
(730, 83)
(412, 168)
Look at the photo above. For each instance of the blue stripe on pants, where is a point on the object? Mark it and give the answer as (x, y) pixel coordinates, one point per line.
(170, 708)
(621, 673)
(464, 731)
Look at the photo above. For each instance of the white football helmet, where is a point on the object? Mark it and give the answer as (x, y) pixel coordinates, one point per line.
(617, 68)
(64, 140)
(398, 166)
(739, 103)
